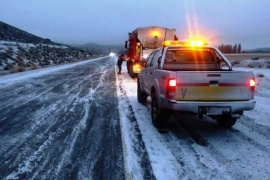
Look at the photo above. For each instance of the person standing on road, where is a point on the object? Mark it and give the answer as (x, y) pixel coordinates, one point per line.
(119, 63)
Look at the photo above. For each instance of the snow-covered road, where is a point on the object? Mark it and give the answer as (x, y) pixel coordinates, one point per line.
(61, 124)
(83, 121)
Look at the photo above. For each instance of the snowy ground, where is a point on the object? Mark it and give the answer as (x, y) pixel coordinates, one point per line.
(192, 148)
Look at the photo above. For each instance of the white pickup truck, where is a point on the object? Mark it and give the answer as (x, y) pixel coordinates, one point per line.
(196, 79)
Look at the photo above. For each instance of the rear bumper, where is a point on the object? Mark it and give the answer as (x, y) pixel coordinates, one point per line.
(193, 106)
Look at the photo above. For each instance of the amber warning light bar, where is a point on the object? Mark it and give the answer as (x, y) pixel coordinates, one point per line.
(186, 43)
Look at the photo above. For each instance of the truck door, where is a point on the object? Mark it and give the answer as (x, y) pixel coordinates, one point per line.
(152, 66)
(146, 71)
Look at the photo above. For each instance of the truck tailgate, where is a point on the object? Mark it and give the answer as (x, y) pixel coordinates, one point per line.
(213, 86)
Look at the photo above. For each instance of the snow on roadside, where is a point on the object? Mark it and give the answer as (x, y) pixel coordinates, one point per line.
(21, 76)
(7, 44)
(163, 163)
(260, 63)
(262, 96)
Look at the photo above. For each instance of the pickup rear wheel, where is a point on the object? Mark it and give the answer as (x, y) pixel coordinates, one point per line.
(159, 116)
(132, 74)
(141, 96)
(226, 121)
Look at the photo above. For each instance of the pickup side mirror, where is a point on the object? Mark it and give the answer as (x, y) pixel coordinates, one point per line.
(126, 44)
(143, 63)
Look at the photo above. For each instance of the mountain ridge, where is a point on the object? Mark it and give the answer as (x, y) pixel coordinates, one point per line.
(11, 33)
(21, 51)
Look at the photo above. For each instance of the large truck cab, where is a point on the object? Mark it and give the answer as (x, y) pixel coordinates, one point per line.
(142, 42)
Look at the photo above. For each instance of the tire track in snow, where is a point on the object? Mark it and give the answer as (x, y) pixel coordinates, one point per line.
(40, 150)
(28, 165)
(141, 169)
(189, 159)
(222, 158)
(183, 139)
(256, 134)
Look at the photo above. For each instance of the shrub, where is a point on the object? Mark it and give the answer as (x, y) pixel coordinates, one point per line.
(34, 66)
(260, 75)
(20, 69)
(11, 68)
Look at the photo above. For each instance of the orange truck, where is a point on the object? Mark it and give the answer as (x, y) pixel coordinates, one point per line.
(141, 42)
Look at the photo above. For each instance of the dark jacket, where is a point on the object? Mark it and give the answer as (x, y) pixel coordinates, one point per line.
(120, 60)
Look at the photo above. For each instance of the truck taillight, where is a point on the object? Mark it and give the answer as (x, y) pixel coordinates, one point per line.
(252, 83)
(172, 82)
(171, 88)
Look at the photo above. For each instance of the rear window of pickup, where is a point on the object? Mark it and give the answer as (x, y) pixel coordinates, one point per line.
(190, 59)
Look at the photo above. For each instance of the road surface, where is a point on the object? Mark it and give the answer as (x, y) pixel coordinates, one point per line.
(84, 122)
(63, 125)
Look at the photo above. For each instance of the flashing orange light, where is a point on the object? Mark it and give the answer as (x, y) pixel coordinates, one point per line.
(197, 43)
(170, 43)
(188, 43)
(167, 43)
(137, 66)
(155, 33)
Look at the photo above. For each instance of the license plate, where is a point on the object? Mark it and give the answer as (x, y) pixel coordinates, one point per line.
(214, 111)
(217, 110)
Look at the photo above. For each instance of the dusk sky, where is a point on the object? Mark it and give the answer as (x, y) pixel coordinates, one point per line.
(109, 21)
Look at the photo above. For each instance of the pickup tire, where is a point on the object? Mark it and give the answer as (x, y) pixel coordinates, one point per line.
(133, 75)
(226, 121)
(159, 116)
(141, 96)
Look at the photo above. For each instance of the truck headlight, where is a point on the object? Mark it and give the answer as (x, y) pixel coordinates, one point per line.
(145, 56)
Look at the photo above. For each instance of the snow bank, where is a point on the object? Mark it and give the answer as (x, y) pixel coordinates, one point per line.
(250, 63)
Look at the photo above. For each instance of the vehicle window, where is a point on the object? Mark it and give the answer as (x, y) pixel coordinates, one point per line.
(189, 56)
(149, 60)
(218, 56)
(191, 59)
(155, 59)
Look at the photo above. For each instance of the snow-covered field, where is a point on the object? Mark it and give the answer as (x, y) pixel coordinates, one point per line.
(192, 148)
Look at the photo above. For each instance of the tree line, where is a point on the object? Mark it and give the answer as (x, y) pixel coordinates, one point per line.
(228, 48)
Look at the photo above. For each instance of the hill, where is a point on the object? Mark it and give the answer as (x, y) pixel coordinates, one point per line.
(20, 51)
(11, 33)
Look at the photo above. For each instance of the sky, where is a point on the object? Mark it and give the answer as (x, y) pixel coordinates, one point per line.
(109, 21)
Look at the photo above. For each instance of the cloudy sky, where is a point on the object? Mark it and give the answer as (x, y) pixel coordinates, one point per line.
(109, 21)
